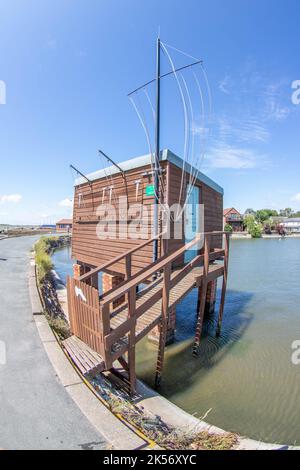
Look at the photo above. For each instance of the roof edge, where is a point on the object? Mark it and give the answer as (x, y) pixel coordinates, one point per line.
(165, 155)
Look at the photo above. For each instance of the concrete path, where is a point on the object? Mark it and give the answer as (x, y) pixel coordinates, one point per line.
(36, 412)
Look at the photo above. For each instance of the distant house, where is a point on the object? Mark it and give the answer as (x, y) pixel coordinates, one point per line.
(234, 218)
(64, 225)
(291, 225)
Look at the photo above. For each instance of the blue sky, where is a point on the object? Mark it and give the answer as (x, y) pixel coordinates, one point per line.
(68, 66)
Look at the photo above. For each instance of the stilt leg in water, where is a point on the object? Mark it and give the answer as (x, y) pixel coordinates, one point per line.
(160, 355)
(221, 308)
(201, 308)
(224, 286)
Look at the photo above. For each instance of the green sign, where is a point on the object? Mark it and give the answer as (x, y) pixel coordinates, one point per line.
(150, 190)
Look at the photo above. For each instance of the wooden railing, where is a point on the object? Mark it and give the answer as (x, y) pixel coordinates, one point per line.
(123, 257)
(91, 318)
(162, 267)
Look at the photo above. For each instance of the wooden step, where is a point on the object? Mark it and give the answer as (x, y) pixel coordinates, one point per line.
(86, 359)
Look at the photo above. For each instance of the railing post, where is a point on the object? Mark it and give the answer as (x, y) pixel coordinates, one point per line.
(202, 294)
(104, 331)
(224, 284)
(131, 338)
(128, 266)
(164, 323)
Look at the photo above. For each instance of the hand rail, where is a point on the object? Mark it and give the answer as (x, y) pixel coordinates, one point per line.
(117, 259)
(155, 267)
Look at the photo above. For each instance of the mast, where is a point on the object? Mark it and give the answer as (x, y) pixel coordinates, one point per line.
(157, 168)
(157, 153)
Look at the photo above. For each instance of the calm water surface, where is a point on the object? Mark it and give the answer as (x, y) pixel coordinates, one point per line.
(246, 376)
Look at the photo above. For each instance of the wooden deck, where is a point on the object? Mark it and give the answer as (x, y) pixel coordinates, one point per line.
(103, 335)
(86, 359)
(152, 316)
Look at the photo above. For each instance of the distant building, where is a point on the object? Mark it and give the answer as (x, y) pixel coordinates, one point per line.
(277, 219)
(291, 225)
(64, 225)
(234, 218)
(47, 227)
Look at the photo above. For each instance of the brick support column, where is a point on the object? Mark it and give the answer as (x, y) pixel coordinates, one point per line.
(210, 300)
(154, 334)
(78, 270)
(109, 282)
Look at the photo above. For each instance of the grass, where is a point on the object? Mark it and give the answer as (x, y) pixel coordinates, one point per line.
(209, 441)
(43, 249)
(166, 436)
(60, 326)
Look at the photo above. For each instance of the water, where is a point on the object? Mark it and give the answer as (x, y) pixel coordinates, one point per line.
(62, 262)
(246, 376)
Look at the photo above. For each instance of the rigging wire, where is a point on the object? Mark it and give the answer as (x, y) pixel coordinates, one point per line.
(182, 52)
(146, 133)
(145, 127)
(150, 103)
(160, 177)
(191, 123)
(185, 119)
(202, 149)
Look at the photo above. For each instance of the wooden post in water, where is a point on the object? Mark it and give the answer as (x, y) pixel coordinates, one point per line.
(202, 295)
(224, 285)
(163, 324)
(131, 339)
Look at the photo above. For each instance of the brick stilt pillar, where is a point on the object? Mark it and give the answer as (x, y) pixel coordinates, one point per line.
(210, 301)
(154, 334)
(109, 282)
(78, 270)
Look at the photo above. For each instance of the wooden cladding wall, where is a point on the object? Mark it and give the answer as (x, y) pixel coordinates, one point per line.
(88, 248)
(212, 200)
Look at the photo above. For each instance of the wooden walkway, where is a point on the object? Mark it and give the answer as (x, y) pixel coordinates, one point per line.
(103, 335)
(86, 359)
(152, 316)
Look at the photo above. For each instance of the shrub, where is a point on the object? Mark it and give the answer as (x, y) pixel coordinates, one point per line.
(255, 230)
(43, 260)
(228, 228)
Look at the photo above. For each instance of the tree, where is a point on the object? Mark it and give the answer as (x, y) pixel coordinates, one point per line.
(249, 220)
(262, 215)
(287, 212)
(249, 212)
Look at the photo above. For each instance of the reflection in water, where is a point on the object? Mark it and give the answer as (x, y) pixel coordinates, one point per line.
(246, 376)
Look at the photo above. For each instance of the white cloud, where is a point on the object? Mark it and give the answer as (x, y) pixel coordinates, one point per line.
(225, 84)
(234, 158)
(274, 107)
(200, 130)
(296, 197)
(248, 129)
(10, 198)
(66, 203)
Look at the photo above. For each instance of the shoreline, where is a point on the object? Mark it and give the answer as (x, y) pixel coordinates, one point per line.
(156, 404)
(247, 236)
